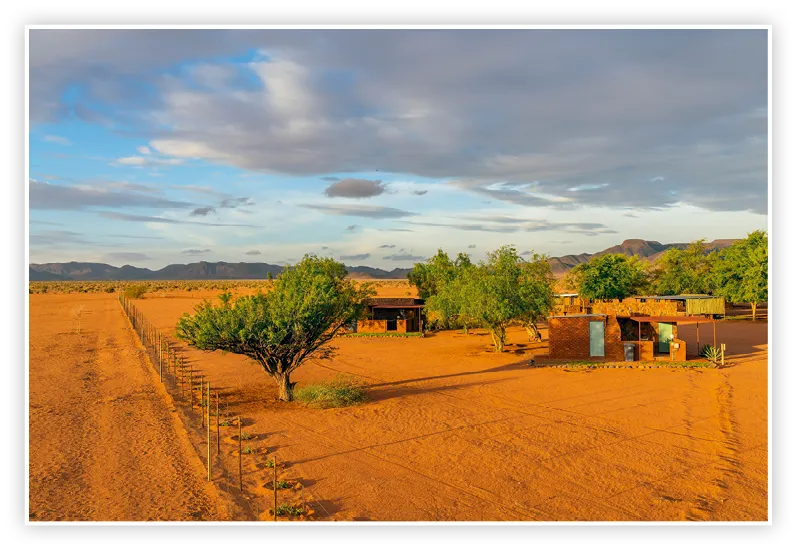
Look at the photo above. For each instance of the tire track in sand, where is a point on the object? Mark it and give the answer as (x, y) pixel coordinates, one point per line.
(118, 453)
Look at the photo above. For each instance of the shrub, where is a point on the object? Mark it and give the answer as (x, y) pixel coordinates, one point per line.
(343, 391)
(135, 291)
(290, 510)
(711, 353)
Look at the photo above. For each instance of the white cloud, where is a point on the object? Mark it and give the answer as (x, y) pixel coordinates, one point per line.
(57, 139)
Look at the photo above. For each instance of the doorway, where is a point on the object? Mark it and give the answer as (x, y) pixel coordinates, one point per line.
(665, 337)
(596, 342)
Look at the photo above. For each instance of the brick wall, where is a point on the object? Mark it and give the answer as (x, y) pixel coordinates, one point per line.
(632, 306)
(401, 325)
(568, 337)
(613, 340)
(680, 353)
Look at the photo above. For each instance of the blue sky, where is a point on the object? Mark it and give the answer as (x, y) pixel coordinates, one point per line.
(378, 147)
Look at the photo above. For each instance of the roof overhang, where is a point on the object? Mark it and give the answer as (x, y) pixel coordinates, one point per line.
(677, 319)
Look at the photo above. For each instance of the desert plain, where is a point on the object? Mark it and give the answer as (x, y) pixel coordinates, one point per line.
(450, 431)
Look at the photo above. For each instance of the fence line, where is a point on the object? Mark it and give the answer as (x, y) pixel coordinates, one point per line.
(169, 365)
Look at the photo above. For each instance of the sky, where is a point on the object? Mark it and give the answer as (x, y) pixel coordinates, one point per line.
(377, 147)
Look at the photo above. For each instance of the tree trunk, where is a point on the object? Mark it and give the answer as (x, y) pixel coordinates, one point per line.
(753, 305)
(285, 386)
(498, 342)
(534, 332)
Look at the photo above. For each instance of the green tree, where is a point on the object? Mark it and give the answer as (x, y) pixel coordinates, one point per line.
(609, 276)
(307, 306)
(741, 271)
(684, 271)
(494, 293)
(536, 293)
(431, 276)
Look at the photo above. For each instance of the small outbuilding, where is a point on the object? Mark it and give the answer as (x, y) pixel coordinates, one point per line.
(392, 315)
(598, 336)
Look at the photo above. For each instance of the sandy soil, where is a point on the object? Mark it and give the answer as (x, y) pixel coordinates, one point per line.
(105, 443)
(452, 431)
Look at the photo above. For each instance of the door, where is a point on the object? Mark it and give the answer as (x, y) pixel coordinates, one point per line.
(596, 339)
(392, 325)
(665, 336)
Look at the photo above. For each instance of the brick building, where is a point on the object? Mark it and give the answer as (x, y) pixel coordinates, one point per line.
(392, 315)
(613, 337)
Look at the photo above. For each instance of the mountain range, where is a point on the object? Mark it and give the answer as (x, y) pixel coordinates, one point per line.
(648, 250)
(88, 271)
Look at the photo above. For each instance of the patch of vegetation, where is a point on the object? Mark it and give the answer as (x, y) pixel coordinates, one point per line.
(269, 463)
(282, 484)
(135, 291)
(385, 334)
(246, 436)
(714, 355)
(343, 391)
(225, 423)
(293, 510)
(247, 450)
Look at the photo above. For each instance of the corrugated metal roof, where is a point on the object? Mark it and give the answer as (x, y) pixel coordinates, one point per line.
(395, 302)
(578, 315)
(677, 297)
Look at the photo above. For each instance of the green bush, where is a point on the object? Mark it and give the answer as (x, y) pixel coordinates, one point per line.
(711, 353)
(343, 391)
(135, 291)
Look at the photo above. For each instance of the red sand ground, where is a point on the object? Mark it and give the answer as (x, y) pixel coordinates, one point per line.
(104, 442)
(452, 431)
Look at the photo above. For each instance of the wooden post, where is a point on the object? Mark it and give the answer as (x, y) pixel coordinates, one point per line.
(202, 404)
(275, 487)
(722, 357)
(207, 401)
(191, 386)
(697, 332)
(715, 332)
(240, 453)
(218, 428)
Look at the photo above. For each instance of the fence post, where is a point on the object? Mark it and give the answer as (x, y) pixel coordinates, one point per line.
(218, 428)
(240, 453)
(207, 407)
(275, 487)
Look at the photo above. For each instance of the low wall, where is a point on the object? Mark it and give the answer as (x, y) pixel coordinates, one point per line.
(368, 325)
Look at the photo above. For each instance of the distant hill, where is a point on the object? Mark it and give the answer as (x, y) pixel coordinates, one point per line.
(649, 250)
(87, 271)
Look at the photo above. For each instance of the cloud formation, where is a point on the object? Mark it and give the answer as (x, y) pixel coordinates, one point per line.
(576, 109)
(57, 139)
(353, 188)
(360, 210)
(46, 196)
(355, 257)
(387, 246)
(253, 253)
(203, 211)
(403, 258)
(195, 251)
(160, 219)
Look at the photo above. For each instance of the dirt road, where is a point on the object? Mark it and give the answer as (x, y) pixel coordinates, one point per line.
(105, 443)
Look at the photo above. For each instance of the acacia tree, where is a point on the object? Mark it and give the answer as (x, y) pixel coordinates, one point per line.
(741, 272)
(684, 271)
(435, 274)
(307, 306)
(536, 293)
(609, 276)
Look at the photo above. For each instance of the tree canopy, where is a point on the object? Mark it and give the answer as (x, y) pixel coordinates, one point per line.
(741, 272)
(609, 276)
(493, 293)
(684, 271)
(307, 306)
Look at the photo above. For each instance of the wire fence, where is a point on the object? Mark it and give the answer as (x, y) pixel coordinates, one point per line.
(188, 387)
